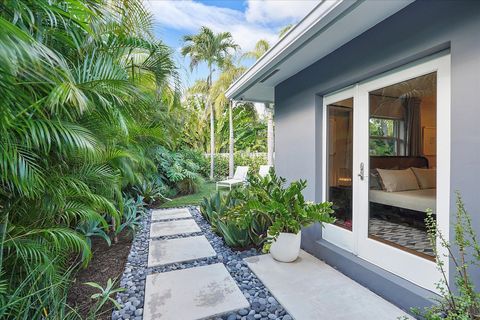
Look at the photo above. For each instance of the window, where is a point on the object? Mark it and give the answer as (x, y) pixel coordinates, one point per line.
(386, 138)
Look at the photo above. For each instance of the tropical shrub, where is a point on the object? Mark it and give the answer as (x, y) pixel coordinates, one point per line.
(35, 288)
(87, 92)
(151, 191)
(249, 131)
(178, 169)
(199, 158)
(254, 161)
(209, 208)
(221, 166)
(462, 302)
(257, 213)
(267, 203)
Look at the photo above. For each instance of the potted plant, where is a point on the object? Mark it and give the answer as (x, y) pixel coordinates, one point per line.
(286, 210)
(290, 215)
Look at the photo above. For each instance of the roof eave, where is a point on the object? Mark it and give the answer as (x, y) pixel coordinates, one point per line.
(322, 23)
(292, 38)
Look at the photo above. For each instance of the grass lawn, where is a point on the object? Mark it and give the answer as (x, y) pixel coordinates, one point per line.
(205, 190)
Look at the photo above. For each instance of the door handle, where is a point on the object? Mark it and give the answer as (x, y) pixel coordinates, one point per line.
(362, 171)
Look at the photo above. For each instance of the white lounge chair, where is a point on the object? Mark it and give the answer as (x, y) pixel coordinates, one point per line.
(239, 178)
(263, 171)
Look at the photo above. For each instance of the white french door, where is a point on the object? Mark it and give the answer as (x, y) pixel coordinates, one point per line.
(382, 126)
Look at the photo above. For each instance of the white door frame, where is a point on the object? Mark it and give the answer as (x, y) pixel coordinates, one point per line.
(418, 270)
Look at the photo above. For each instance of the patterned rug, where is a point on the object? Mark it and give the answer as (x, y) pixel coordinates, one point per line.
(402, 235)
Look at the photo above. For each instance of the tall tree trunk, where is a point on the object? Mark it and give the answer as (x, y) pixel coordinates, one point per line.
(231, 140)
(212, 142)
(270, 134)
(212, 127)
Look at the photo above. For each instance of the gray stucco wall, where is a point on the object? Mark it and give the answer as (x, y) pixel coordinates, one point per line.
(296, 156)
(419, 30)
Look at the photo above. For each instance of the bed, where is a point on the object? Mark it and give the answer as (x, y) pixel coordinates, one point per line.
(416, 200)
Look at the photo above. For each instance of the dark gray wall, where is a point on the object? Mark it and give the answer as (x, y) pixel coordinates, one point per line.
(419, 30)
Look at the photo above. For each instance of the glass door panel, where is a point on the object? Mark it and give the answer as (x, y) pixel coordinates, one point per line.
(339, 187)
(340, 160)
(402, 143)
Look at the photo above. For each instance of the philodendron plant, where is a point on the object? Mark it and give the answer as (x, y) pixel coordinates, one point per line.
(283, 207)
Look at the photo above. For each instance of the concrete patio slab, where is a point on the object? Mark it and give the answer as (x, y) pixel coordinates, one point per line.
(191, 294)
(310, 289)
(163, 252)
(170, 228)
(166, 214)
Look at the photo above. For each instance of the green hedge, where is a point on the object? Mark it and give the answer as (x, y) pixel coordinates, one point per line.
(240, 159)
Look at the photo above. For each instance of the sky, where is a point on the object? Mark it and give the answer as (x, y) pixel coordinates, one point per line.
(247, 20)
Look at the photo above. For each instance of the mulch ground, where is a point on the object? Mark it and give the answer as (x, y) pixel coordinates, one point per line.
(107, 262)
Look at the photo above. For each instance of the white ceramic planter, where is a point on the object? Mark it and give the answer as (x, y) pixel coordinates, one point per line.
(286, 247)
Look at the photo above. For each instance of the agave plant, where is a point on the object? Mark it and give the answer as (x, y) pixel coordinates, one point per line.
(215, 211)
(105, 294)
(209, 210)
(93, 228)
(234, 235)
(133, 211)
(216, 207)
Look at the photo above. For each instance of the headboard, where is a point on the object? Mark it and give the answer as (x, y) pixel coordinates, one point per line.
(397, 162)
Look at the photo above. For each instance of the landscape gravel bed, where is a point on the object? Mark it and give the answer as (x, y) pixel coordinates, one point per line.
(263, 305)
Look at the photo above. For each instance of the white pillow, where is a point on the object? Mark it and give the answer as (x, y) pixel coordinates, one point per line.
(398, 180)
(427, 178)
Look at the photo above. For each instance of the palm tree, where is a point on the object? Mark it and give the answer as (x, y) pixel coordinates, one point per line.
(230, 72)
(195, 116)
(284, 30)
(211, 48)
(261, 47)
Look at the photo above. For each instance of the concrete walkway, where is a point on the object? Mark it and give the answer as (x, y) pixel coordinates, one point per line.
(181, 285)
(309, 289)
(194, 293)
(168, 214)
(171, 228)
(162, 252)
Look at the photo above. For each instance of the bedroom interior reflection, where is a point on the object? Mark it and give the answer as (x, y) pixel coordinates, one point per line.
(402, 181)
(340, 159)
